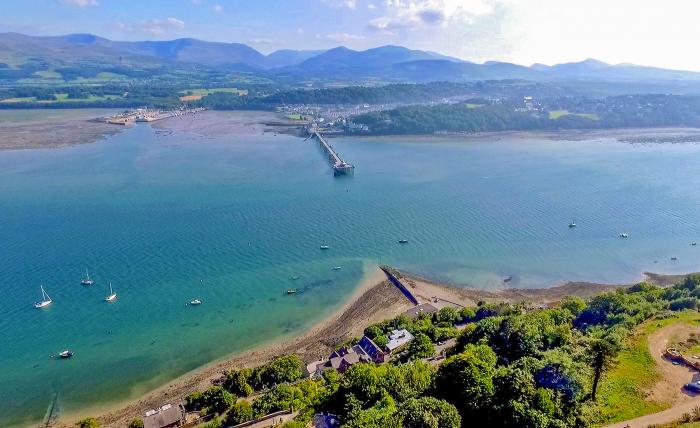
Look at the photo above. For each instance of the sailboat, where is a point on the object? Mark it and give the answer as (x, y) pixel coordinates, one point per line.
(45, 300)
(87, 280)
(112, 295)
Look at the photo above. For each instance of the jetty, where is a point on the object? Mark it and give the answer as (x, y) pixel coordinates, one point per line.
(340, 167)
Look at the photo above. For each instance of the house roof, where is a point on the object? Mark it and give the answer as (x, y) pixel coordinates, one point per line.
(163, 417)
(369, 347)
(398, 338)
(423, 308)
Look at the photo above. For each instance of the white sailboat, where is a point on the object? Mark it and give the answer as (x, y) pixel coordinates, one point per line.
(112, 295)
(87, 280)
(45, 300)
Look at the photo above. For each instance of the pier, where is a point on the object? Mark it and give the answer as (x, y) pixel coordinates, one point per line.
(340, 167)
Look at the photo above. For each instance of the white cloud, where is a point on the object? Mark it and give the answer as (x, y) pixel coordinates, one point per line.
(350, 4)
(152, 27)
(217, 8)
(371, 6)
(196, 2)
(261, 41)
(79, 3)
(414, 14)
(342, 37)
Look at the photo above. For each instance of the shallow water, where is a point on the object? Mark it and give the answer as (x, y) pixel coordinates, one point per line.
(229, 220)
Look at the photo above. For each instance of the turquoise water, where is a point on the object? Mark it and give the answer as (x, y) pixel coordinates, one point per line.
(230, 219)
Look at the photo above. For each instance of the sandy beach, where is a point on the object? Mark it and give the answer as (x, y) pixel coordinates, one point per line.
(43, 129)
(374, 300)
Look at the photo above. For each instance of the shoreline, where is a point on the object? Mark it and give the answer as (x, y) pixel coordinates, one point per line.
(375, 299)
(58, 128)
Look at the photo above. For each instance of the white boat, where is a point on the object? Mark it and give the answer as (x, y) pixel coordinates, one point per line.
(87, 280)
(65, 354)
(572, 224)
(624, 235)
(336, 267)
(195, 302)
(112, 295)
(325, 247)
(45, 300)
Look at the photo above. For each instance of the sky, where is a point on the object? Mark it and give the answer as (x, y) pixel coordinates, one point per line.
(660, 33)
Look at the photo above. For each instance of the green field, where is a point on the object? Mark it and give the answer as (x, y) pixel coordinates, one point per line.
(622, 392)
(556, 114)
(204, 92)
(470, 105)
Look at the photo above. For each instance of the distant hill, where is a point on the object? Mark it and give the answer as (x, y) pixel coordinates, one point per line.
(23, 56)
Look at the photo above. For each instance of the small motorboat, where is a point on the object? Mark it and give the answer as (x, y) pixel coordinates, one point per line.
(572, 224)
(292, 291)
(65, 354)
(692, 244)
(674, 258)
(624, 235)
(336, 267)
(403, 241)
(295, 277)
(195, 302)
(507, 279)
(325, 247)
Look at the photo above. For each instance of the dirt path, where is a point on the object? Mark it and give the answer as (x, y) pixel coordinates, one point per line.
(670, 388)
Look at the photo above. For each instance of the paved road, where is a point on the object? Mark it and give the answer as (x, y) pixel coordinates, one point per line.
(670, 415)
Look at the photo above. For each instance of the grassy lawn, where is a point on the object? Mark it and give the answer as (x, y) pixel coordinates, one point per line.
(622, 391)
(470, 105)
(18, 100)
(48, 74)
(204, 92)
(556, 114)
(294, 117)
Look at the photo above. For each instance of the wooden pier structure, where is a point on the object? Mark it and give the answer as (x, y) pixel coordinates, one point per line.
(340, 167)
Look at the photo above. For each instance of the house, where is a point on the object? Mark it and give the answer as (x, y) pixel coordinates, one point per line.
(365, 351)
(423, 308)
(167, 416)
(325, 421)
(398, 339)
(371, 350)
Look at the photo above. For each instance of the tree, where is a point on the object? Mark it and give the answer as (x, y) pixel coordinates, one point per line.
(573, 304)
(237, 382)
(136, 423)
(603, 346)
(240, 412)
(428, 412)
(88, 423)
(288, 368)
(466, 380)
(214, 400)
(421, 347)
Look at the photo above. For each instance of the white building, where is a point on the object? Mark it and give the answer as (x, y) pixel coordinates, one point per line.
(398, 338)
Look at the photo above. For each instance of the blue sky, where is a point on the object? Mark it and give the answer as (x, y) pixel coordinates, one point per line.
(647, 32)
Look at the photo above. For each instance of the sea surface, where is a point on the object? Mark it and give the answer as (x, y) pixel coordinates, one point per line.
(230, 220)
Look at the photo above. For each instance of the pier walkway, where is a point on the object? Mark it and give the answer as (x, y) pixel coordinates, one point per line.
(398, 284)
(340, 167)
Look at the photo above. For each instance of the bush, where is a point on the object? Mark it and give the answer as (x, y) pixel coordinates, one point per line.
(88, 423)
(241, 412)
(214, 400)
(136, 423)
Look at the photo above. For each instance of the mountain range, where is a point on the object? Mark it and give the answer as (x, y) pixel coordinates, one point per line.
(385, 62)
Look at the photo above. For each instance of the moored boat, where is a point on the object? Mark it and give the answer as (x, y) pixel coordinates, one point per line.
(65, 354)
(112, 296)
(45, 300)
(87, 280)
